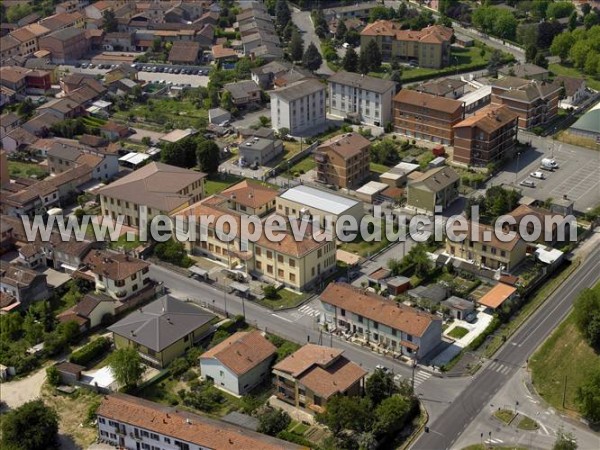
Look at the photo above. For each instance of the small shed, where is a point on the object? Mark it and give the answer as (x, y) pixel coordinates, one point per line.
(437, 162)
(369, 192)
(69, 372)
(459, 307)
(496, 296)
(397, 285)
(217, 116)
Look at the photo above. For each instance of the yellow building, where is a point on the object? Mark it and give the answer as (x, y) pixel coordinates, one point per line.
(163, 330)
(161, 188)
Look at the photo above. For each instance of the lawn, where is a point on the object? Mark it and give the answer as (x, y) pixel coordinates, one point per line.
(458, 332)
(561, 364)
(527, 424)
(122, 242)
(559, 69)
(504, 415)
(214, 186)
(573, 139)
(301, 167)
(285, 299)
(378, 168)
(178, 113)
(25, 170)
(367, 248)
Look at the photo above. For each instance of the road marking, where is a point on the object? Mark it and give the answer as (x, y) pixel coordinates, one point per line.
(545, 429)
(282, 318)
(505, 370)
(421, 377)
(494, 441)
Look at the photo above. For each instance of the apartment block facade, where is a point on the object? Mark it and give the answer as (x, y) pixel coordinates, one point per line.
(361, 98)
(424, 116)
(343, 161)
(435, 188)
(299, 107)
(488, 136)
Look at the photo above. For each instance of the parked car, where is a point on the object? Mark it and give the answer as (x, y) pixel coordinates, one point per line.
(537, 174)
(382, 368)
(254, 165)
(528, 183)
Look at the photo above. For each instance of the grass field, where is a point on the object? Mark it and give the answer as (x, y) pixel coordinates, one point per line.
(25, 170)
(285, 299)
(214, 186)
(122, 242)
(178, 113)
(561, 364)
(378, 168)
(300, 167)
(367, 248)
(458, 332)
(559, 69)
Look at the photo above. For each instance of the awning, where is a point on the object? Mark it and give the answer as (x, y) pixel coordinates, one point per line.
(242, 288)
(410, 345)
(198, 271)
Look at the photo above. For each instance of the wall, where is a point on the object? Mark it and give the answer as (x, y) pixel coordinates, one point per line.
(222, 376)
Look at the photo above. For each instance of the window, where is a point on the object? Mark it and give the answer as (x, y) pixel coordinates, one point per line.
(360, 319)
(258, 250)
(292, 277)
(120, 283)
(494, 251)
(269, 254)
(258, 265)
(134, 287)
(394, 332)
(280, 258)
(292, 262)
(167, 440)
(484, 248)
(280, 273)
(102, 420)
(134, 276)
(375, 325)
(154, 436)
(502, 253)
(221, 373)
(343, 312)
(269, 268)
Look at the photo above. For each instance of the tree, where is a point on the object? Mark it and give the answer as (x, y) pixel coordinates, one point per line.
(564, 441)
(16, 12)
(156, 45)
(172, 251)
(558, 10)
(391, 415)
(586, 310)
(541, 60)
(208, 154)
(109, 21)
(312, 58)
(273, 421)
(296, 46)
(270, 291)
(181, 153)
(591, 19)
(341, 30)
(588, 394)
(547, 31)
(350, 61)
(379, 386)
(505, 25)
(32, 426)
(396, 76)
(126, 365)
(561, 45)
(573, 21)
(374, 54)
(347, 413)
(494, 63)
(25, 109)
(53, 376)
(530, 52)
(34, 331)
(585, 9)
(417, 256)
(282, 13)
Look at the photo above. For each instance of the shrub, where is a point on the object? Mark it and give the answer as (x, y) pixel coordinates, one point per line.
(270, 292)
(294, 438)
(479, 340)
(53, 376)
(91, 351)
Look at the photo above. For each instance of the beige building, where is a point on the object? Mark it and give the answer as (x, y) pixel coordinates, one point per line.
(343, 160)
(158, 187)
(436, 187)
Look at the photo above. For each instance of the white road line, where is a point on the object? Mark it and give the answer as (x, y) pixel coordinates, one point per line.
(282, 318)
(303, 308)
(506, 370)
(545, 429)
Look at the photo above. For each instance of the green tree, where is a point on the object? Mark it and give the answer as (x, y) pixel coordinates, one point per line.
(347, 413)
(417, 256)
(172, 251)
(391, 415)
(282, 13)
(156, 45)
(573, 21)
(227, 101)
(15, 13)
(31, 426)
(34, 331)
(561, 45)
(558, 10)
(374, 55)
(312, 59)
(564, 441)
(53, 376)
(350, 61)
(541, 60)
(588, 394)
(379, 386)
(181, 153)
(586, 310)
(272, 421)
(341, 30)
(590, 20)
(126, 365)
(530, 53)
(296, 46)
(505, 24)
(494, 63)
(208, 155)
(109, 21)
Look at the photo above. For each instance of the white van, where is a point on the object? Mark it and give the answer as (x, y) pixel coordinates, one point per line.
(549, 164)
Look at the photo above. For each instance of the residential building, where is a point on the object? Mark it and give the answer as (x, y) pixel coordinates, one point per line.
(222, 54)
(239, 363)
(67, 45)
(361, 98)
(260, 150)
(9, 48)
(309, 377)
(525, 70)
(64, 155)
(536, 102)
(91, 311)
(14, 78)
(178, 135)
(163, 330)
(29, 37)
(424, 116)
(8, 122)
(120, 72)
(430, 46)
(25, 285)
(126, 422)
(62, 108)
(299, 107)
(116, 274)
(550, 223)
(393, 326)
(114, 131)
(157, 188)
(265, 75)
(217, 116)
(309, 203)
(343, 160)
(498, 296)
(18, 139)
(185, 53)
(458, 307)
(575, 91)
(488, 136)
(250, 197)
(360, 10)
(243, 93)
(483, 247)
(444, 87)
(435, 188)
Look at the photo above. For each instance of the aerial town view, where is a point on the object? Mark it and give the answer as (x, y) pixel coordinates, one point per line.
(304, 224)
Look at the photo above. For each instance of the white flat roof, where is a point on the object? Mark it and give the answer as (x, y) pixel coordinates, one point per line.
(399, 170)
(547, 255)
(322, 200)
(372, 188)
(476, 95)
(134, 158)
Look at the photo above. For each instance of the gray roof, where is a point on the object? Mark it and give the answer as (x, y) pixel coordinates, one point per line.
(590, 122)
(436, 179)
(363, 82)
(161, 323)
(434, 292)
(273, 67)
(299, 89)
(458, 303)
(322, 200)
(65, 151)
(241, 89)
(66, 33)
(441, 87)
(523, 70)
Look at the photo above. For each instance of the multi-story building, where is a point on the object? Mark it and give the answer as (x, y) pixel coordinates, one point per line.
(424, 116)
(436, 187)
(157, 187)
(430, 46)
(66, 45)
(250, 197)
(361, 98)
(343, 160)
(299, 107)
(535, 102)
(131, 422)
(488, 136)
(482, 246)
(309, 377)
(29, 37)
(24, 285)
(396, 327)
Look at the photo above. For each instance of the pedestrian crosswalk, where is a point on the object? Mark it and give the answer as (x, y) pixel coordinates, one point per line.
(499, 367)
(308, 310)
(494, 441)
(420, 377)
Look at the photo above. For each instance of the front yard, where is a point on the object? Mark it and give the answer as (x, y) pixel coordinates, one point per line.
(285, 299)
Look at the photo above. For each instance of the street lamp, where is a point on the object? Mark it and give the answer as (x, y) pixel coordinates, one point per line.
(225, 302)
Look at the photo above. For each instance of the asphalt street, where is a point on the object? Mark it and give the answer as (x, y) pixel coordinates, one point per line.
(304, 23)
(444, 431)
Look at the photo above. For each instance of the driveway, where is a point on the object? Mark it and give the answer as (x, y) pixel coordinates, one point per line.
(141, 133)
(250, 119)
(16, 393)
(304, 22)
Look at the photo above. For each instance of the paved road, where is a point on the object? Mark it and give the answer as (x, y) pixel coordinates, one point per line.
(448, 427)
(304, 23)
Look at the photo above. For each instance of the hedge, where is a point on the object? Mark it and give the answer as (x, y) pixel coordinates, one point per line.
(479, 340)
(91, 351)
(294, 438)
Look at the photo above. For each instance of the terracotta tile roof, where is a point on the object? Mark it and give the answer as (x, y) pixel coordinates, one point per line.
(346, 145)
(17, 276)
(333, 379)
(6, 299)
(571, 84)
(430, 34)
(306, 357)
(184, 52)
(441, 87)
(219, 52)
(184, 426)
(242, 352)
(89, 159)
(423, 100)
(114, 266)
(13, 74)
(289, 246)
(497, 295)
(250, 193)
(404, 318)
(490, 118)
(485, 234)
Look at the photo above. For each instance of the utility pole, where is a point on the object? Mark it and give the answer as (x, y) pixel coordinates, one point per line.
(225, 303)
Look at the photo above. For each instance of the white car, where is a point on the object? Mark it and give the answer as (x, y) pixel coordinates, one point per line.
(528, 183)
(537, 174)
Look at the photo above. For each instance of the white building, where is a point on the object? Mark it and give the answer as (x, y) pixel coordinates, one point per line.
(361, 98)
(239, 363)
(299, 107)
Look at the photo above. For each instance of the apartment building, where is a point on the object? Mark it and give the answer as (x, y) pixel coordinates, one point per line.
(393, 326)
(24, 285)
(361, 98)
(29, 38)
(130, 422)
(250, 197)
(343, 160)
(430, 46)
(67, 45)
(309, 377)
(483, 247)
(535, 102)
(424, 116)
(436, 187)
(488, 136)
(299, 107)
(158, 188)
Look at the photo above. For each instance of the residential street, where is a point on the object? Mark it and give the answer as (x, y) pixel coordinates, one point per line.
(304, 23)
